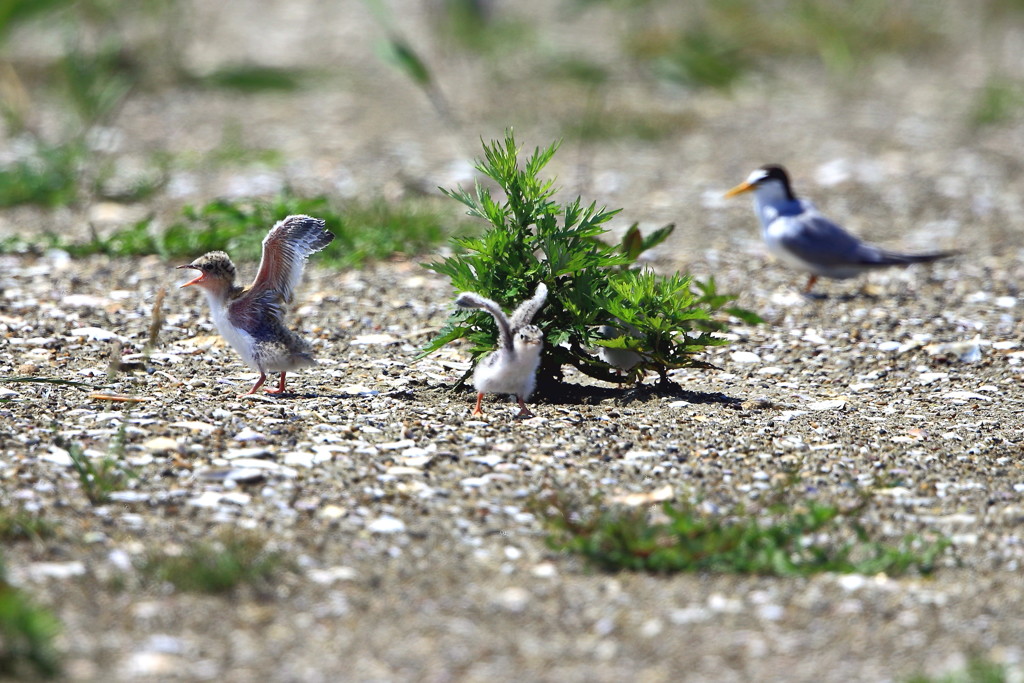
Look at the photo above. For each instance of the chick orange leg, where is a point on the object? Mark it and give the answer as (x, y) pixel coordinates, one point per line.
(280, 386)
(477, 411)
(255, 387)
(810, 283)
(523, 410)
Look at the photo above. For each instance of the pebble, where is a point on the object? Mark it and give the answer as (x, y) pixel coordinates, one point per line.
(331, 512)
(489, 460)
(640, 454)
(966, 396)
(242, 475)
(55, 570)
(1006, 302)
(417, 461)
(545, 570)
(246, 453)
(397, 445)
(374, 340)
(161, 444)
(357, 390)
(513, 598)
(658, 495)
(58, 456)
(84, 300)
(836, 404)
(120, 560)
(95, 334)
(150, 664)
(386, 525)
(689, 615)
(398, 470)
(723, 604)
(851, 582)
(195, 426)
(305, 459)
(331, 575)
(249, 434)
(129, 496)
(213, 499)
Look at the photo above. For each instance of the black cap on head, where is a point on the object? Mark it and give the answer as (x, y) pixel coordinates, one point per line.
(777, 172)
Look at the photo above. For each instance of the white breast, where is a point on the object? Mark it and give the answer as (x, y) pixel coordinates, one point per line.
(503, 373)
(240, 340)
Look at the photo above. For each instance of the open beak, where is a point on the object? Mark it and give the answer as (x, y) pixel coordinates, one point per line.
(194, 281)
(739, 189)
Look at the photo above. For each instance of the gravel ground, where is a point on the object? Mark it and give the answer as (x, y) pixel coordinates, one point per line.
(416, 555)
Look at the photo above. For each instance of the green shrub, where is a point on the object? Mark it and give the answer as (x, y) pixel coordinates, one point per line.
(532, 239)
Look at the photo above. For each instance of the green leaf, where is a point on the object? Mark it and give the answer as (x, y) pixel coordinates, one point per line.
(657, 237)
(632, 243)
(406, 59)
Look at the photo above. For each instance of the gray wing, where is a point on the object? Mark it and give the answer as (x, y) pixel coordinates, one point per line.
(523, 315)
(285, 250)
(472, 300)
(816, 239)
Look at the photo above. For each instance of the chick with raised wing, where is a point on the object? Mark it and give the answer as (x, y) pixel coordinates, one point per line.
(797, 233)
(512, 367)
(251, 318)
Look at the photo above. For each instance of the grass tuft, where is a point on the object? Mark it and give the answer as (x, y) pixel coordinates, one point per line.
(27, 635)
(979, 670)
(364, 231)
(1000, 101)
(235, 557)
(48, 178)
(21, 525)
(101, 477)
(784, 541)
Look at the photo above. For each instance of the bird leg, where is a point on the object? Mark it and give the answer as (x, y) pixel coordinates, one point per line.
(477, 412)
(280, 387)
(810, 283)
(255, 387)
(523, 410)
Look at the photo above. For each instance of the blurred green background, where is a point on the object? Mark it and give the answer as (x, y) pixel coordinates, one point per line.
(118, 115)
